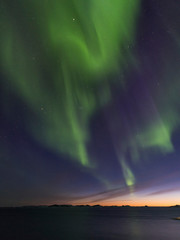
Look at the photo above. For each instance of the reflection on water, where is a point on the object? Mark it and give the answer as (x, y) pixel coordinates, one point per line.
(135, 229)
(90, 224)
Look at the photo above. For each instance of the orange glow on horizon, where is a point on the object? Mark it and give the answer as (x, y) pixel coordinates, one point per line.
(140, 203)
(160, 200)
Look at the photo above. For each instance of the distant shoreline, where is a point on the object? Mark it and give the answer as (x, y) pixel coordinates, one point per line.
(87, 206)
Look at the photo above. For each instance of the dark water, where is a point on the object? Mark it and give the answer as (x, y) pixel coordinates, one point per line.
(90, 223)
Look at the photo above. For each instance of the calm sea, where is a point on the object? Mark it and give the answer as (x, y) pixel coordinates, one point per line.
(90, 223)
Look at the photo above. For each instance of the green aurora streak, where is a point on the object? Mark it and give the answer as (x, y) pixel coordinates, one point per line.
(58, 54)
(83, 42)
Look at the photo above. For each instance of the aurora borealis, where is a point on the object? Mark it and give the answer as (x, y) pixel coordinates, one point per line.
(90, 102)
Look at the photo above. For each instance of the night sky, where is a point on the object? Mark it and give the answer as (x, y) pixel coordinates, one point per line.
(90, 102)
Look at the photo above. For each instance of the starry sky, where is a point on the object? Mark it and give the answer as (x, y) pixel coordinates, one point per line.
(90, 110)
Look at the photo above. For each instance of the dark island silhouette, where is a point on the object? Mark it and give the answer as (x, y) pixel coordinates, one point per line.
(90, 206)
(175, 206)
(78, 207)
